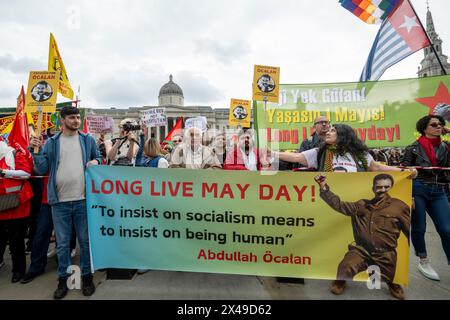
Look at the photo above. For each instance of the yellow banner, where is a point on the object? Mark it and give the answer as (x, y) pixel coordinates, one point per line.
(240, 113)
(55, 63)
(42, 91)
(6, 123)
(266, 82)
(285, 224)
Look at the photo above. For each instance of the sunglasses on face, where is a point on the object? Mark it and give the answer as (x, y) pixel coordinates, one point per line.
(324, 123)
(435, 125)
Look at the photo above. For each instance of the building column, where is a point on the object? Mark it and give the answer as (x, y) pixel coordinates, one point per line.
(166, 128)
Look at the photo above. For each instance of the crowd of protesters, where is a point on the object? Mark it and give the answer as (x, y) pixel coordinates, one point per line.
(59, 201)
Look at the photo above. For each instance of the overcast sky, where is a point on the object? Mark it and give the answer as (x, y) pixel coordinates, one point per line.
(122, 52)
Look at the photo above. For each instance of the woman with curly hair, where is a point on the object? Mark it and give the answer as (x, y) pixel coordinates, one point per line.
(341, 148)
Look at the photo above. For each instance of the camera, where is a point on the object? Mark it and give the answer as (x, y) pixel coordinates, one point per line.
(128, 126)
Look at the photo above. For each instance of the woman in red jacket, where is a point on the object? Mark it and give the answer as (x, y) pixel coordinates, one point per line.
(16, 165)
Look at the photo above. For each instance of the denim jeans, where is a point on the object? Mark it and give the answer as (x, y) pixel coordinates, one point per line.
(41, 240)
(431, 199)
(64, 214)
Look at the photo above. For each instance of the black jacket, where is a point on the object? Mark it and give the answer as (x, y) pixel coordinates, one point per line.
(415, 155)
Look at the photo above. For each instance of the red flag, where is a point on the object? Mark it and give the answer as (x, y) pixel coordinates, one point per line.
(178, 126)
(85, 126)
(19, 133)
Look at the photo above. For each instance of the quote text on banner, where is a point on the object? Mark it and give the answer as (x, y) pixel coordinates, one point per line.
(232, 222)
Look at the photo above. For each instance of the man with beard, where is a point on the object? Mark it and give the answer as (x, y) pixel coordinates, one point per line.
(245, 156)
(65, 157)
(377, 224)
(41, 92)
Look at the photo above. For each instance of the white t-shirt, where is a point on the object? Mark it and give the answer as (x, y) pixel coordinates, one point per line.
(250, 161)
(346, 161)
(70, 183)
(162, 163)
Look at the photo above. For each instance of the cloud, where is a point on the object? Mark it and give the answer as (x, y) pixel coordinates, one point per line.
(122, 52)
(224, 52)
(197, 89)
(126, 87)
(18, 65)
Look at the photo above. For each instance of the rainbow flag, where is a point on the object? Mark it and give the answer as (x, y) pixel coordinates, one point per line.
(370, 11)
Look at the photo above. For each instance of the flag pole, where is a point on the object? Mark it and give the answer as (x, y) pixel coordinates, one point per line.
(431, 43)
(39, 127)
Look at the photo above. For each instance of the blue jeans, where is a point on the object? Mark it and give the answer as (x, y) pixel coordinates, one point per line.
(41, 240)
(64, 214)
(431, 199)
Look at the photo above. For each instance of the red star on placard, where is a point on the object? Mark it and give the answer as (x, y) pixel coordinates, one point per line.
(441, 96)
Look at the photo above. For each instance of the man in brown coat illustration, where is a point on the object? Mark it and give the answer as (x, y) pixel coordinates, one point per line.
(377, 224)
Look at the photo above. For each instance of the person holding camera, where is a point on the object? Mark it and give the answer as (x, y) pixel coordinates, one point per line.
(122, 150)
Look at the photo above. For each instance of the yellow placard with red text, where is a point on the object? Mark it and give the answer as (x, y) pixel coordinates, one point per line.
(266, 83)
(240, 113)
(42, 91)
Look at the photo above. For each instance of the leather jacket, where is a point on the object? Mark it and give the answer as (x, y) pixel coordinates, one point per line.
(415, 155)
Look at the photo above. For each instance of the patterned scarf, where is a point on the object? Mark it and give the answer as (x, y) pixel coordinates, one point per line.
(329, 154)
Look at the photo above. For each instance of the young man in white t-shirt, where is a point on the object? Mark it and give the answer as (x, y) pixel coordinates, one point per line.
(65, 158)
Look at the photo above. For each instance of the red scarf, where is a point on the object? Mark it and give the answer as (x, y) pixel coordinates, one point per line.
(428, 144)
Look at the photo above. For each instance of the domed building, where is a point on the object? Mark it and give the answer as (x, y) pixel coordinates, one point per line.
(171, 98)
(171, 94)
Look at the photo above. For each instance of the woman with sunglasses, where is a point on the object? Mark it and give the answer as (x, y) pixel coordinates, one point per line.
(430, 188)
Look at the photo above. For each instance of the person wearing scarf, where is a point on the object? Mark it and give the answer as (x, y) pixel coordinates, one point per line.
(192, 154)
(430, 189)
(245, 155)
(341, 148)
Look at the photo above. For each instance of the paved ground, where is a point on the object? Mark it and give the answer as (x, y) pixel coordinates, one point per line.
(204, 286)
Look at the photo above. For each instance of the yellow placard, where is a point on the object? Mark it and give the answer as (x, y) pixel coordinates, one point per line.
(55, 63)
(240, 113)
(42, 91)
(266, 83)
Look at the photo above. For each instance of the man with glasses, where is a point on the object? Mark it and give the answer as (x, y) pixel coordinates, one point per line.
(321, 127)
(176, 140)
